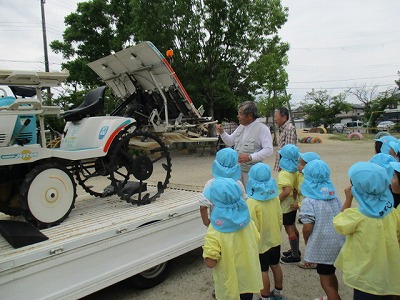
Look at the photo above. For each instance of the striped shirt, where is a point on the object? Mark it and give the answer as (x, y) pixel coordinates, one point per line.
(287, 135)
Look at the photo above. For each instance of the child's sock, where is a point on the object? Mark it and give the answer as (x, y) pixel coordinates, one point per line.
(265, 297)
(294, 245)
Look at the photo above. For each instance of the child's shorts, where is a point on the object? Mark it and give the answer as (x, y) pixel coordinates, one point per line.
(270, 257)
(289, 218)
(323, 269)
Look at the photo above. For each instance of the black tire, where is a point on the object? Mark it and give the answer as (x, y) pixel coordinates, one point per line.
(101, 176)
(47, 195)
(151, 277)
(146, 157)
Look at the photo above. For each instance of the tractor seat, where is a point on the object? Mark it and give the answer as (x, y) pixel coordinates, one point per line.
(91, 106)
(23, 91)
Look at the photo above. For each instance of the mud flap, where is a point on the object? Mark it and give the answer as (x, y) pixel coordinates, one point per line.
(20, 234)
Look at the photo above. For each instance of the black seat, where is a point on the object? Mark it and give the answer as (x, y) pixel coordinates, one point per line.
(91, 106)
(23, 91)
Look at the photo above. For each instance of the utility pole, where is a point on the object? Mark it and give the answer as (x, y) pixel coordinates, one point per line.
(46, 57)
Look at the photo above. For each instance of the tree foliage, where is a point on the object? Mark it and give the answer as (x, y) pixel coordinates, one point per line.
(321, 108)
(214, 42)
(378, 105)
(92, 32)
(270, 76)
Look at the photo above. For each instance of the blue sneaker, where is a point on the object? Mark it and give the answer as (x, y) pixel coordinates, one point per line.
(275, 297)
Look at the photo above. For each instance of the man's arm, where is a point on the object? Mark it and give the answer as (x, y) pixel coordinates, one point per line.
(228, 139)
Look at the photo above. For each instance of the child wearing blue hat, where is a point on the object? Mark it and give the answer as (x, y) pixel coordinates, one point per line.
(370, 257)
(231, 243)
(287, 183)
(390, 148)
(385, 161)
(318, 209)
(304, 158)
(225, 165)
(265, 211)
(381, 141)
(395, 184)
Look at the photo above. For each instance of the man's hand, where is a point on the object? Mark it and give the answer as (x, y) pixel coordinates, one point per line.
(219, 128)
(244, 158)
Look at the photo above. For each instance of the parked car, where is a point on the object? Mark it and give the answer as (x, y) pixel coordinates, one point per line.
(339, 127)
(355, 124)
(385, 125)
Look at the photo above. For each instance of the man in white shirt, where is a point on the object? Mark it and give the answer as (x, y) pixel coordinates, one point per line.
(252, 139)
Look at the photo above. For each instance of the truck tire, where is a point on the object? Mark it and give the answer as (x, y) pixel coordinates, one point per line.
(151, 277)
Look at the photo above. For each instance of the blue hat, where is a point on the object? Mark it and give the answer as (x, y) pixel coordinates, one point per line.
(309, 156)
(385, 140)
(230, 212)
(289, 158)
(395, 165)
(317, 184)
(389, 145)
(261, 186)
(371, 189)
(226, 164)
(384, 160)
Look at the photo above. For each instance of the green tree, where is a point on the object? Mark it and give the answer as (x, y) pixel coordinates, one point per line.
(92, 32)
(378, 105)
(215, 42)
(321, 108)
(269, 75)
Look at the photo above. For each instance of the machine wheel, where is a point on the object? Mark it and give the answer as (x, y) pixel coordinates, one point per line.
(151, 277)
(146, 157)
(102, 176)
(47, 195)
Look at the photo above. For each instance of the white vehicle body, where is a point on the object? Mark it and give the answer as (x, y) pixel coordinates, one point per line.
(104, 241)
(385, 125)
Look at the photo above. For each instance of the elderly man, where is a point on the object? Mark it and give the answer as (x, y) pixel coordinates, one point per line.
(287, 132)
(252, 139)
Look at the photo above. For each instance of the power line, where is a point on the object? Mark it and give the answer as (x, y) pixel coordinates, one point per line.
(338, 88)
(302, 82)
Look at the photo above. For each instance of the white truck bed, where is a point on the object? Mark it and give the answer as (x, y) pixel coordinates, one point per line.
(103, 241)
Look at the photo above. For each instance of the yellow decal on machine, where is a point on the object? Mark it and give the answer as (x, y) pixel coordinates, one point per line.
(24, 155)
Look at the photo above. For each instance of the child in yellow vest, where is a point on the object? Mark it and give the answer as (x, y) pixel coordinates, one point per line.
(287, 184)
(231, 243)
(225, 165)
(265, 211)
(370, 257)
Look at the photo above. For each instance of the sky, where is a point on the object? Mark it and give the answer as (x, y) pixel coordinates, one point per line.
(334, 45)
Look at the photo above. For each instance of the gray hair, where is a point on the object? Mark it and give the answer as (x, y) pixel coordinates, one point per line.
(283, 111)
(249, 107)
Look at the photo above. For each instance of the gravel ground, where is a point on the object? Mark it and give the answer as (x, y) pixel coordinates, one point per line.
(190, 279)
